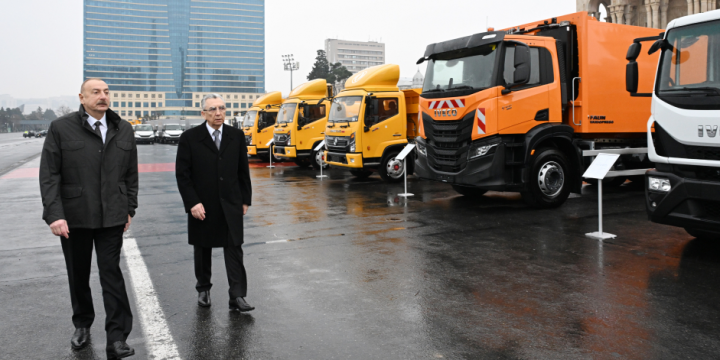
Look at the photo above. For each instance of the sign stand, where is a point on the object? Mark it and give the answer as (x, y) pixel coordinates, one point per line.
(317, 148)
(269, 145)
(598, 170)
(403, 156)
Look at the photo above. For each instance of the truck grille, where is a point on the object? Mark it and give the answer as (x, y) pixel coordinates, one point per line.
(248, 139)
(703, 152)
(448, 142)
(337, 143)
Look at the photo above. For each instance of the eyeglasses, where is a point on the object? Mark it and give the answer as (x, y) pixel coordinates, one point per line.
(214, 109)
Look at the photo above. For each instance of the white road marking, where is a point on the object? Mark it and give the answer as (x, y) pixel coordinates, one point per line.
(159, 342)
(276, 241)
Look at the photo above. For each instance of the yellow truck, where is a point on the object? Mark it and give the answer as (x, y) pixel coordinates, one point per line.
(257, 123)
(370, 122)
(301, 123)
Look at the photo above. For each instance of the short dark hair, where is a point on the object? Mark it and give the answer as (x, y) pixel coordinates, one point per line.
(82, 87)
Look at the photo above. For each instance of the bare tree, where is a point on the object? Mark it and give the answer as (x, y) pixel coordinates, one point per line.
(63, 110)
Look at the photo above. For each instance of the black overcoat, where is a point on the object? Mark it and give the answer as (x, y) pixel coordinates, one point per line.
(87, 183)
(219, 179)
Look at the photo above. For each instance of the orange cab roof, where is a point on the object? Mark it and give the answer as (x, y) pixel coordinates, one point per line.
(313, 89)
(377, 78)
(271, 98)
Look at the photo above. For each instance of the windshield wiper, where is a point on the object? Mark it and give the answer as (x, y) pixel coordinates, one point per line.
(705, 89)
(433, 90)
(461, 87)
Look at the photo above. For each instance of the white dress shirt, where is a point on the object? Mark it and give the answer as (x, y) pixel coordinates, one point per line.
(212, 131)
(103, 128)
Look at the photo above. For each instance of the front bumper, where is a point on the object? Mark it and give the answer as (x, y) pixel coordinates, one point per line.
(690, 203)
(171, 140)
(349, 160)
(144, 140)
(252, 150)
(290, 151)
(487, 172)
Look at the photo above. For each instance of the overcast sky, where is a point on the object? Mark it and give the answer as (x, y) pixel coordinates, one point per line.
(41, 40)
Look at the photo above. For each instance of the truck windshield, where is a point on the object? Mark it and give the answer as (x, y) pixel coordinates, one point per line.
(689, 69)
(286, 113)
(468, 68)
(143, 128)
(172, 127)
(345, 108)
(249, 118)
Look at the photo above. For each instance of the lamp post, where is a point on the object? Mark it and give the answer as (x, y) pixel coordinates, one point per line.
(290, 65)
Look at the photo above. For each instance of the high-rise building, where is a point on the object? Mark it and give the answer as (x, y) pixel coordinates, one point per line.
(355, 55)
(160, 57)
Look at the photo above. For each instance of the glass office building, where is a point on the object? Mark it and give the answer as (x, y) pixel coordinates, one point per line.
(160, 57)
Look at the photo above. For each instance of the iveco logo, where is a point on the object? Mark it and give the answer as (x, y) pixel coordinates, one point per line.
(711, 130)
(445, 112)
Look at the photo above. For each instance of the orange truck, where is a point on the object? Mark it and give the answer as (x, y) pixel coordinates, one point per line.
(513, 110)
(258, 122)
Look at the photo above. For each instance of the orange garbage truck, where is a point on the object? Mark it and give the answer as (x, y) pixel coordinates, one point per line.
(513, 110)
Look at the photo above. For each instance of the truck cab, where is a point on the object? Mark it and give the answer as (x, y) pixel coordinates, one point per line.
(682, 132)
(370, 122)
(301, 124)
(257, 124)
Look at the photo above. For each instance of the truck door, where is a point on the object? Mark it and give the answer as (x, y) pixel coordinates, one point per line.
(384, 122)
(527, 104)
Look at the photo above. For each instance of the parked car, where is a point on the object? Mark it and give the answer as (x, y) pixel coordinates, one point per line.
(144, 134)
(29, 134)
(41, 133)
(170, 133)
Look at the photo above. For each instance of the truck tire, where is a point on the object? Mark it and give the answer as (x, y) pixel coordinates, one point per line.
(469, 191)
(303, 163)
(391, 170)
(361, 174)
(548, 185)
(703, 234)
(316, 159)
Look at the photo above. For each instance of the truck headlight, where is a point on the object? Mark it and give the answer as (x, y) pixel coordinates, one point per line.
(481, 150)
(352, 142)
(288, 139)
(659, 184)
(421, 149)
(326, 143)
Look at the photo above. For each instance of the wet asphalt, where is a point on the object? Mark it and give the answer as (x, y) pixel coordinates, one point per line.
(345, 269)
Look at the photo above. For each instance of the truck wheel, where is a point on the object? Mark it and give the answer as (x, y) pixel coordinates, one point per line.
(361, 174)
(548, 186)
(469, 191)
(703, 234)
(316, 158)
(391, 169)
(303, 163)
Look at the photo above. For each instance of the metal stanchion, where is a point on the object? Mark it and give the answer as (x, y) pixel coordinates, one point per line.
(598, 170)
(318, 148)
(403, 156)
(270, 152)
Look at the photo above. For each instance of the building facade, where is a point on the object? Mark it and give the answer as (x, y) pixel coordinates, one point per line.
(647, 13)
(159, 57)
(355, 55)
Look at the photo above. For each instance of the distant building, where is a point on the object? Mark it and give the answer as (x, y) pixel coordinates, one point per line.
(355, 55)
(647, 13)
(160, 57)
(414, 83)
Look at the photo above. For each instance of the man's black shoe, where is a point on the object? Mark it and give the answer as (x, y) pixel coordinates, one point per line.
(119, 350)
(239, 304)
(80, 338)
(204, 298)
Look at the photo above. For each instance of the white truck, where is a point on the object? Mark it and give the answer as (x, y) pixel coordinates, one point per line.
(683, 140)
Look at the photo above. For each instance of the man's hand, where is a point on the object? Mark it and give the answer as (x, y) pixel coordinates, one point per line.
(60, 228)
(198, 211)
(245, 208)
(127, 225)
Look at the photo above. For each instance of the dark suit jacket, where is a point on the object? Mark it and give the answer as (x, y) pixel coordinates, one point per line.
(89, 184)
(219, 179)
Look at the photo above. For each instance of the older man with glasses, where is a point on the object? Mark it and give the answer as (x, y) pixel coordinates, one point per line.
(213, 177)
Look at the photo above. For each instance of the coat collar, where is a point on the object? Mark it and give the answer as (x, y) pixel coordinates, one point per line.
(111, 116)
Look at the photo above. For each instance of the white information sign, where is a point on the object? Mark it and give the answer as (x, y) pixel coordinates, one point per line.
(270, 142)
(320, 145)
(600, 166)
(401, 156)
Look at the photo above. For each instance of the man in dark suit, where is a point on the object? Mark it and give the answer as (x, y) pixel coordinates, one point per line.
(213, 177)
(89, 187)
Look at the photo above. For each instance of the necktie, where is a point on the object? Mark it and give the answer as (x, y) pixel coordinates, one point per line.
(216, 134)
(97, 129)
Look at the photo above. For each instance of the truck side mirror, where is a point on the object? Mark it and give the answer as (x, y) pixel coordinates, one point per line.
(633, 51)
(632, 72)
(631, 77)
(522, 65)
(657, 45)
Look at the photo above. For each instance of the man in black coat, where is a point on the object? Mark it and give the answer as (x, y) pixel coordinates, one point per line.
(213, 177)
(89, 187)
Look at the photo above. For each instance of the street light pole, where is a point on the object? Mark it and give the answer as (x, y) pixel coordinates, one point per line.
(290, 65)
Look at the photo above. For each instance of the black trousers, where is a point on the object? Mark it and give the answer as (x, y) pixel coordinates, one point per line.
(237, 278)
(78, 256)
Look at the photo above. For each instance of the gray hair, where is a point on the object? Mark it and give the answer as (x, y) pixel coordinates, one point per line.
(210, 96)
